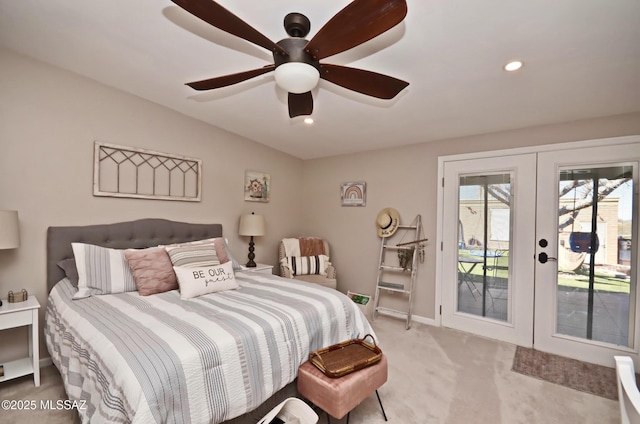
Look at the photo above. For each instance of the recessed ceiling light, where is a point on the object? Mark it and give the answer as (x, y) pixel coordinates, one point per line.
(513, 66)
(308, 121)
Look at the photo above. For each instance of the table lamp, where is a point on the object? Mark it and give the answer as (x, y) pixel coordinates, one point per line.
(251, 225)
(9, 231)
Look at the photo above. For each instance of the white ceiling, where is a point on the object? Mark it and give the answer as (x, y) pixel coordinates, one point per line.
(582, 60)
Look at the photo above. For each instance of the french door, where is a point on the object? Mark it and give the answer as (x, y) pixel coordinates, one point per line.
(487, 263)
(586, 253)
(540, 249)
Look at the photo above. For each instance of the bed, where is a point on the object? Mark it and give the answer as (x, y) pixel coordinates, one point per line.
(221, 357)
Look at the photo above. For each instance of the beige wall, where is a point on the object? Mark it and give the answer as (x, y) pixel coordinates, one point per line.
(49, 119)
(406, 179)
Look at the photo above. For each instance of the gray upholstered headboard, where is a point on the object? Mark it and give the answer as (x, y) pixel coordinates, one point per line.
(134, 234)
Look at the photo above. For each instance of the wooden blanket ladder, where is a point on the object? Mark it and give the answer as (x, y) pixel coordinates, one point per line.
(399, 276)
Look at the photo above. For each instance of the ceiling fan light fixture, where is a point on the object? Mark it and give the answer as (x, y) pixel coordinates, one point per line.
(513, 66)
(308, 120)
(296, 60)
(297, 77)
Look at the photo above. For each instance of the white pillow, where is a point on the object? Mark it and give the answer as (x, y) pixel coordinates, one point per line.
(307, 265)
(196, 281)
(101, 271)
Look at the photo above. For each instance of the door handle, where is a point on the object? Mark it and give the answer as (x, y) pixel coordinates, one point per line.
(543, 258)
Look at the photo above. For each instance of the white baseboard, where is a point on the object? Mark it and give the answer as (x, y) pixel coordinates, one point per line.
(425, 320)
(45, 362)
(414, 318)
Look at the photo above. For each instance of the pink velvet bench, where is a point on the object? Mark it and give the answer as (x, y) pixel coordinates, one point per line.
(338, 396)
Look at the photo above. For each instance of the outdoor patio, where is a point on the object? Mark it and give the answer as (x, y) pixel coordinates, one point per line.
(610, 308)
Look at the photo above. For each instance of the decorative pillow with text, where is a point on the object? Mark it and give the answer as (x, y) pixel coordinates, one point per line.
(196, 281)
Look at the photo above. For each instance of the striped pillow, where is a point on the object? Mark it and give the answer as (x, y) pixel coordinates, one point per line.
(222, 249)
(307, 265)
(193, 255)
(101, 271)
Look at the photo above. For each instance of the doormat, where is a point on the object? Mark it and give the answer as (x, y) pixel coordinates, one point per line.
(590, 378)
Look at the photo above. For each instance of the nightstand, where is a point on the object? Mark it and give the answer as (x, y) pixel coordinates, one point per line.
(261, 268)
(19, 314)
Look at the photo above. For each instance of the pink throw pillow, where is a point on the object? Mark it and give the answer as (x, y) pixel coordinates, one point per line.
(152, 270)
(221, 250)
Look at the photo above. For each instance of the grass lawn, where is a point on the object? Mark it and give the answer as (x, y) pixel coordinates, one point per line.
(578, 279)
(602, 282)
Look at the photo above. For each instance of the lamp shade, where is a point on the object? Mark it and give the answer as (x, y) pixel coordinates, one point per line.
(9, 230)
(296, 77)
(251, 225)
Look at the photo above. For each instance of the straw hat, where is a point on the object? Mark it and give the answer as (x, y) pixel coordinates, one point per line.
(291, 410)
(387, 222)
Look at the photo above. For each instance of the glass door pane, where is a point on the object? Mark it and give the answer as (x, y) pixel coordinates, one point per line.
(484, 229)
(594, 290)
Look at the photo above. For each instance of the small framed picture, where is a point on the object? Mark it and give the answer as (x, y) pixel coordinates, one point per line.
(257, 186)
(353, 193)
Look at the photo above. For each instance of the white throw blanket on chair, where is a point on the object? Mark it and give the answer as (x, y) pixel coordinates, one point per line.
(291, 247)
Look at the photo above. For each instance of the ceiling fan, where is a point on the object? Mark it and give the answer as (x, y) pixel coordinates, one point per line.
(297, 60)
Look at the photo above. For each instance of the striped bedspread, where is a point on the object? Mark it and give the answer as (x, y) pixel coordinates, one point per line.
(159, 359)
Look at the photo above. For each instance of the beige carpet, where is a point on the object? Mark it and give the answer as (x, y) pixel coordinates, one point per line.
(23, 389)
(589, 378)
(436, 376)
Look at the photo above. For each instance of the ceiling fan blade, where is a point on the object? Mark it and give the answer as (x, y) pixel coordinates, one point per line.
(300, 104)
(231, 79)
(360, 21)
(211, 12)
(365, 82)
